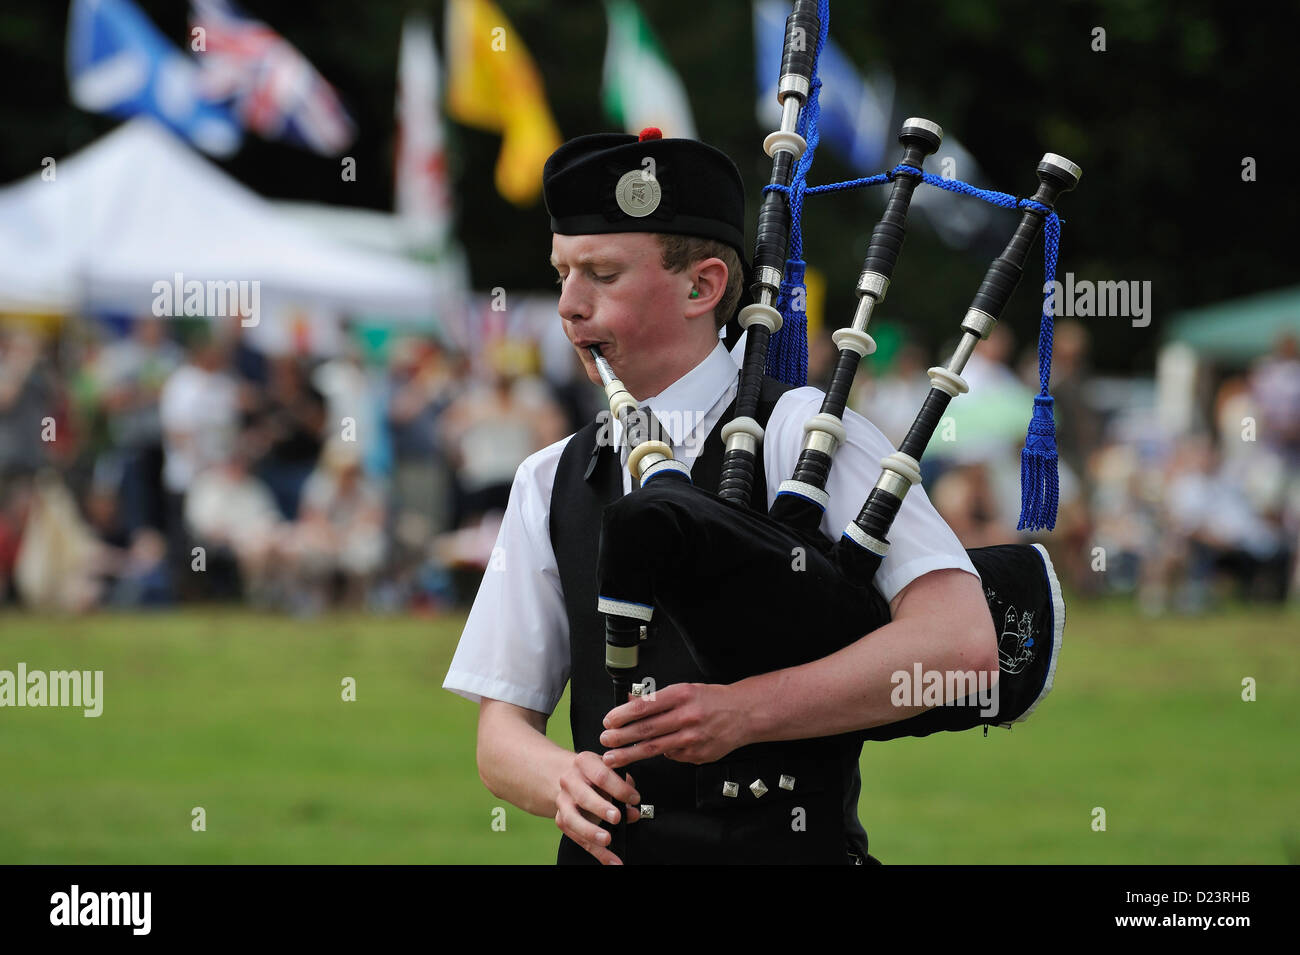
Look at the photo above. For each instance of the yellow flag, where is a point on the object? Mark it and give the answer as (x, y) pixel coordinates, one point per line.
(493, 85)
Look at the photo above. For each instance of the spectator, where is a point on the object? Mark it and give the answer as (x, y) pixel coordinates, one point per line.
(892, 401)
(228, 509)
(422, 389)
(131, 374)
(965, 498)
(27, 396)
(60, 562)
(198, 409)
(352, 392)
(287, 432)
(340, 532)
(1275, 387)
(1210, 526)
(491, 428)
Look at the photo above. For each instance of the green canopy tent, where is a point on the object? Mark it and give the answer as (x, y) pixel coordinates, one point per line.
(1240, 329)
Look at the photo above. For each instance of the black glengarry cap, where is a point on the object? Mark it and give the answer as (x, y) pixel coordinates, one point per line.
(602, 183)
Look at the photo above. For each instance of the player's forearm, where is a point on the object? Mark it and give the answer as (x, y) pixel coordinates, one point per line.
(520, 765)
(851, 689)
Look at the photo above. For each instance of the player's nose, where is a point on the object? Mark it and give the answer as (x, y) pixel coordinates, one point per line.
(575, 304)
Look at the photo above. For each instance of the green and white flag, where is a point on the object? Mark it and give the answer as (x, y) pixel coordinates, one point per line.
(640, 88)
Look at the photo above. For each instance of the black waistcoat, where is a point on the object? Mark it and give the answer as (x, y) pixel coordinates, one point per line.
(816, 821)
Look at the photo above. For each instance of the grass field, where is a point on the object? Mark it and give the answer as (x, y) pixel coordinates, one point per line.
(242, 715)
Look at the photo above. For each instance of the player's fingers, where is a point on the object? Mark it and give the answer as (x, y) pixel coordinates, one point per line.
(593, 803)
(634, 812)
(639, 707)
(580, 827)
(601, 854)
(677, 744)
(600, 851)
(647, 728)
(604, 778)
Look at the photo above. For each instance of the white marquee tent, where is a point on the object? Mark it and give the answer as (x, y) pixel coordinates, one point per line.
(139, 206)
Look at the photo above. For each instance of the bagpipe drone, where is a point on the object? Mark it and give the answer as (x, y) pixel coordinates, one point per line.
(710, 562)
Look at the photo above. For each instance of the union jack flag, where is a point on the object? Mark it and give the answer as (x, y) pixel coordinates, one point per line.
(272, 87)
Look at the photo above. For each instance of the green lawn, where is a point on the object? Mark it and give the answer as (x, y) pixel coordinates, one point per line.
(242, 715)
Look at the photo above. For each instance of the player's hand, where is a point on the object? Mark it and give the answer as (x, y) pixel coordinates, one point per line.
(687, 722)
(588, 789)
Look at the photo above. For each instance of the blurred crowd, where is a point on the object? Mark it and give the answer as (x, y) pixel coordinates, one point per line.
(151, 462)
(159, 462)
(1182, 521)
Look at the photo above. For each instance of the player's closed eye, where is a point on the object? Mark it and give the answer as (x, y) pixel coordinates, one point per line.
(606, 279)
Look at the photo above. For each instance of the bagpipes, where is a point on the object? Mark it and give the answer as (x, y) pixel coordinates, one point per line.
(705, 560)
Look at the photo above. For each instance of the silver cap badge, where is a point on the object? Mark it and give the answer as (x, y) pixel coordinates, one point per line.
(638, 193)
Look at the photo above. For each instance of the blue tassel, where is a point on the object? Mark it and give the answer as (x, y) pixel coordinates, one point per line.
(787, 354)
(1039, 489)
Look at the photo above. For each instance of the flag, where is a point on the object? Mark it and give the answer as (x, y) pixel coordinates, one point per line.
(640, 88)
(493, 85)
(422, 198)
(855, 114)
(120, 64)
(273, 89)
(859, 123)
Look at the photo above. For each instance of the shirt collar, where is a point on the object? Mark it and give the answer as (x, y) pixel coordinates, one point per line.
(681, 406)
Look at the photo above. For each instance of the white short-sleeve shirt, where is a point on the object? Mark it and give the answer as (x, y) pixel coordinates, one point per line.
(515, 645)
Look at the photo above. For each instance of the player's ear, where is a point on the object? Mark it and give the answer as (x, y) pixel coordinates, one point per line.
(708, 285)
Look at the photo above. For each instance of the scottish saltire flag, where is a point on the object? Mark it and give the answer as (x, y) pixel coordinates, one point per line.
(854, 114)
(120, 64)
(270, 85)
(859, 123)
(640, 88)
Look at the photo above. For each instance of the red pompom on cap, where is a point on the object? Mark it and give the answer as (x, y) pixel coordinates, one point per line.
(650, 132)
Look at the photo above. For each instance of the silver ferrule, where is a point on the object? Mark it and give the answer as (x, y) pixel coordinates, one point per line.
(961, 354)
(820, 441)
(654, 457)
(978, 322)
(924, 124)
(767, 281)
(740, 441)
(894, 484)
(873, 284)
(1060, 162)
(768, 277)
(791, 83)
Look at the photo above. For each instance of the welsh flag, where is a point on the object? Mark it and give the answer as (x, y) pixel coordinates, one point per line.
(640, 87)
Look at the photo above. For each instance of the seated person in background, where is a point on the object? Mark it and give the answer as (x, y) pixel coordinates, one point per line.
(493, 426)
(340, 529)
(228, 507)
